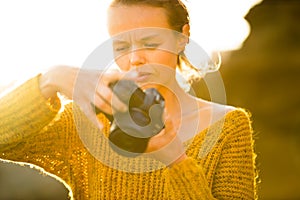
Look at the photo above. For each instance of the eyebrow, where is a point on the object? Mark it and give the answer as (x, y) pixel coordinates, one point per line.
(120, 41)
(149, 37)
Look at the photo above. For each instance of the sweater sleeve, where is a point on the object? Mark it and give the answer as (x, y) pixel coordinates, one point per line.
(33, 131)
(24, 112)
(234, 174)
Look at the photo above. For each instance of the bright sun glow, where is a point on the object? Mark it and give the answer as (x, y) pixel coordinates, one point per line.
(36, 35)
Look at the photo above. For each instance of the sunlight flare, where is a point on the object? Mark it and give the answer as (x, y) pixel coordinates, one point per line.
(36, 35)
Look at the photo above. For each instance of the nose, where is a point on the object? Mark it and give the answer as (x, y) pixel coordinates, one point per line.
(137, 58)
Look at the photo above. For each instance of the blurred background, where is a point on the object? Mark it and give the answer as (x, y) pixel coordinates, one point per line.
(263, 77)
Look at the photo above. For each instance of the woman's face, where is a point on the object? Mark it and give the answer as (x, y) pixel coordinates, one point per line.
(144, 41)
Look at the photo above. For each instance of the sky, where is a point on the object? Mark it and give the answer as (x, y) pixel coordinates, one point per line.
(36, 35)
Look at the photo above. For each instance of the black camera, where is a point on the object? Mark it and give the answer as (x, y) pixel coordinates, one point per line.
(130, 131)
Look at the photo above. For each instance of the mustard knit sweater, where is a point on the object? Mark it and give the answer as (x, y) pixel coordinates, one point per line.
(33, 131)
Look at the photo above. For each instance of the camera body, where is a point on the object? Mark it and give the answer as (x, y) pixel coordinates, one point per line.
(130, 131)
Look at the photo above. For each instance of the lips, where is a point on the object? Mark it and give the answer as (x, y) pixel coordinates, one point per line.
(143, 76)
(144, 73)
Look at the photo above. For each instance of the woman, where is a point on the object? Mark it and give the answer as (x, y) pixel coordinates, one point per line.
(191, 158)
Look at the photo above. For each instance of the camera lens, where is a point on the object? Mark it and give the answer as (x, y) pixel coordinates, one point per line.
(129, 134)
(139, 116)
(126, 144)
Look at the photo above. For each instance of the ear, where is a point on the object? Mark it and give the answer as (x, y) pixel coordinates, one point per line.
(186, 30)
(183, 39)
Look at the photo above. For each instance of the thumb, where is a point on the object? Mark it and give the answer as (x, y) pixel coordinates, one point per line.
(113, 76)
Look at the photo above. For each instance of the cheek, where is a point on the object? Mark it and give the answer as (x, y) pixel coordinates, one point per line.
(166, 58)
(123, 63)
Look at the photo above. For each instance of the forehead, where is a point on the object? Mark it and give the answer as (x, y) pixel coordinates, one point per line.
(126, 18)
(145, 34)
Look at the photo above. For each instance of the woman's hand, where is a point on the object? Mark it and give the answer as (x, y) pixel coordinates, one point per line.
(166, 146)
(85, 87)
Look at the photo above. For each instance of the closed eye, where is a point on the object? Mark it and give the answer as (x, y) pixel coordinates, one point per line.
(151, 45)
(121, 48)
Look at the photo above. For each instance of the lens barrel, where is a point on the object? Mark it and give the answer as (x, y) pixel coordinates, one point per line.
(130, 131)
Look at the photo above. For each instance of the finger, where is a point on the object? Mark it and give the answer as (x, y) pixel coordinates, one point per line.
(113, 76)
(105, 97)
(156, 142)
(103, 105)
(169, 126)
(164, 134)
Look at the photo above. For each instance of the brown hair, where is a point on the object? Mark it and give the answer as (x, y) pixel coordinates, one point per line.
(176, 11)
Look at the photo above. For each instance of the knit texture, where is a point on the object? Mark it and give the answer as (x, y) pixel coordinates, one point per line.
(220, 163)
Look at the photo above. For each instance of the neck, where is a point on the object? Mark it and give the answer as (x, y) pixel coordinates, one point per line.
(176, 99)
